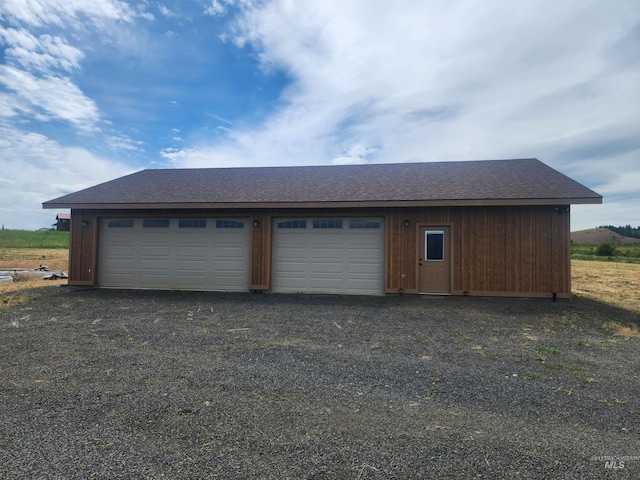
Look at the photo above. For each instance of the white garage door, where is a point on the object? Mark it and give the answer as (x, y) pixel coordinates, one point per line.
(182, 254)
(328, 255)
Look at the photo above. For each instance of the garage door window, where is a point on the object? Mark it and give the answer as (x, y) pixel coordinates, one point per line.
(363, 224)
(155, 223)
(327, 224)
(192, 223)
(293, 224)
(229, 224)
(121, 223)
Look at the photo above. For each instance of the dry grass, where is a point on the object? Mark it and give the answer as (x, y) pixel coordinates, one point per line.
(614, 283)
(30, 258)
(54, 258)
(622, 330)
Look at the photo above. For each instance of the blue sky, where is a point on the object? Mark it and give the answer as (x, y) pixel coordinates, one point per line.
(91, 90)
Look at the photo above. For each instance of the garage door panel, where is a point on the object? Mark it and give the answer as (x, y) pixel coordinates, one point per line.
(186, 266)
(362, 285)
(227, 266)
(292, 283)
(291, 253)
(326, 256)
(328, 267)
(371, 255)
(184, 255)
(154, 251)
(229, 251)
(188, 235)
(362, 237)
(228, 283)
(121, 250)
(323, 237)
(195, 251)
(364, 268)
(190, 282)
(154, 263)
(119, 265)
(151, 280)
(152, 241)
(292, 267)
(326, 285)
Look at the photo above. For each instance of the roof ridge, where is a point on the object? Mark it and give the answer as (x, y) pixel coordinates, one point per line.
(348, 165)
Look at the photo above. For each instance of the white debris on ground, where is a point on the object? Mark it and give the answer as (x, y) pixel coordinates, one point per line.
(15, 274)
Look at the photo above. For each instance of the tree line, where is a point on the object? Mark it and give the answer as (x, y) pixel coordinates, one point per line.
(626, 231)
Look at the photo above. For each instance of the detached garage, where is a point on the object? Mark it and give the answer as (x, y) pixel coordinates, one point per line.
(499, 227)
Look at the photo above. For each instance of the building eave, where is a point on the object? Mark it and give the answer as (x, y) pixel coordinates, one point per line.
(336, 204)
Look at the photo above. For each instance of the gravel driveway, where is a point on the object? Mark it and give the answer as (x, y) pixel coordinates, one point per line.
(125, 384)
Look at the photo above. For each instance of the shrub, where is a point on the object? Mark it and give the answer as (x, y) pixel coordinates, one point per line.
(605, 250)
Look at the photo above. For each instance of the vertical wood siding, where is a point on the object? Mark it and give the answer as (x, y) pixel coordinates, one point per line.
(260, 271)
(82, 248)
(515, 250)
(512, 250)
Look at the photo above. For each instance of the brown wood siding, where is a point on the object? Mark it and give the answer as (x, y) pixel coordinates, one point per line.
(513, 250)
(519, 251)
(259, 278)
(82, 248)
(505, 250)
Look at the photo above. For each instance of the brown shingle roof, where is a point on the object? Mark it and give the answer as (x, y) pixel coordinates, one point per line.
(473, 182)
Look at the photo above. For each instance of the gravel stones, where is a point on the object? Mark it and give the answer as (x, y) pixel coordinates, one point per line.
(140, 384)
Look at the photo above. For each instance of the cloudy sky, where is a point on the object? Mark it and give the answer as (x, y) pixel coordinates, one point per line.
(91, 90)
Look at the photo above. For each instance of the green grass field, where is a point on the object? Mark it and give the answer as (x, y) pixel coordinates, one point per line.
(28, 239)
(627, 253)
(54, 239)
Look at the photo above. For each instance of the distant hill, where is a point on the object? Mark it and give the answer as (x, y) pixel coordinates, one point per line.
(625, 231)
(601, 235)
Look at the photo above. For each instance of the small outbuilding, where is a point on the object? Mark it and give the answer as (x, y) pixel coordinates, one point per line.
(63, 222)
(498, 228)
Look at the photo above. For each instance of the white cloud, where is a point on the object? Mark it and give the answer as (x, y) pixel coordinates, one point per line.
(68, 13)
(38, 64)
(406, 81)
(49, 98)
(357, 154)
(221, 7)
(124, 142)
(429, 81)
(216, 8)
(165, 11)
(36, 169)
(43, 54)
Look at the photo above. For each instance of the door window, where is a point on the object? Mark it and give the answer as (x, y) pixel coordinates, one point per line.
(434, 245)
